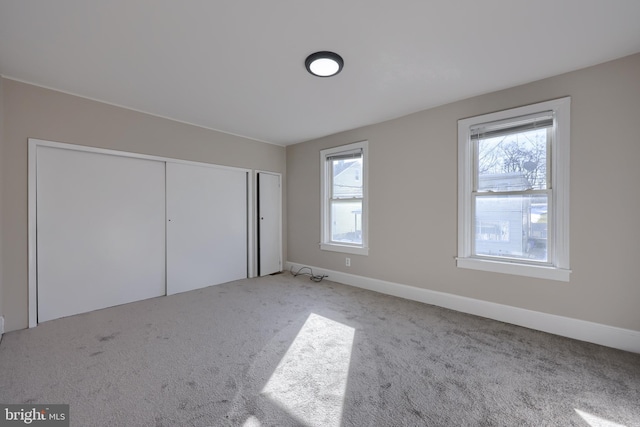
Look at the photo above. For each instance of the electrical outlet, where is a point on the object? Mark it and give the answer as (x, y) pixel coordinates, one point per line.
(347, 262)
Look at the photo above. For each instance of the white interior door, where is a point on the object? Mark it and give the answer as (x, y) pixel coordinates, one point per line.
(269, 224)
(100, 231)
(206, 226)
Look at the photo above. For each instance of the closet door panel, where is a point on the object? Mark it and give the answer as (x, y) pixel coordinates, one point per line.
(269, 224)
(206, 226)
(100, 231)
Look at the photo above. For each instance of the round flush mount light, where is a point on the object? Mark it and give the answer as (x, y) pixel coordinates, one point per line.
(324, 64)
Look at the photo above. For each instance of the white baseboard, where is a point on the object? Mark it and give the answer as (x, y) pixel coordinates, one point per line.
(597, 333)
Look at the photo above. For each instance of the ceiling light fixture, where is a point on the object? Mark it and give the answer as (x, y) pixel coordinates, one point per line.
(324, 64)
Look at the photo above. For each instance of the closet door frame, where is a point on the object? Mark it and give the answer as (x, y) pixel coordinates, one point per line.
(32, 208)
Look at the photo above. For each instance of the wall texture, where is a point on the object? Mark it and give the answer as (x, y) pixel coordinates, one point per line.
(413, 199)
(34, 112)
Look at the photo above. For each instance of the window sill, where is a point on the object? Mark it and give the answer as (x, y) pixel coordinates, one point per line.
(354, 250)
(537, 271)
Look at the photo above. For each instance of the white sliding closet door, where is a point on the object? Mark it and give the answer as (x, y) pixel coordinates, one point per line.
(100, 231)
(206, 226)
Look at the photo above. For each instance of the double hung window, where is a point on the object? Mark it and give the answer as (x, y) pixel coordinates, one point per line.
(514, 191)
(344, 198)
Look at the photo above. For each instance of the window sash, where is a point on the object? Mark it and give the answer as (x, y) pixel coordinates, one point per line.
(548, 158)
(332, 220)
(550, 227)
(331, 177)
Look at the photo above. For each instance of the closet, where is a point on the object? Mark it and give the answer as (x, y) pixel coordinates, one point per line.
(114, 227)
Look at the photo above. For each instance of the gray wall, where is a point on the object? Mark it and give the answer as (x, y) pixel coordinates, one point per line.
(2, 180)
(34, 112)
(413, 199)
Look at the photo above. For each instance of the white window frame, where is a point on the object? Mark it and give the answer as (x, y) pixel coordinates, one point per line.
(558, 266)
(325, 192)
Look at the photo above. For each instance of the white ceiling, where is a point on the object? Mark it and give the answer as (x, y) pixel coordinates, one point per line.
(238, 65)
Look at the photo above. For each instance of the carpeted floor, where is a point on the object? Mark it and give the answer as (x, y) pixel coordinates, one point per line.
(285, 351)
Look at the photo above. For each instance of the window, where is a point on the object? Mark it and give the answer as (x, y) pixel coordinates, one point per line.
(513, 191)
(344, 198)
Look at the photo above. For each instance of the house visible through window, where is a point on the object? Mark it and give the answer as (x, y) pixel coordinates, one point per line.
(513, 191)
(344, 204)
(512, 187)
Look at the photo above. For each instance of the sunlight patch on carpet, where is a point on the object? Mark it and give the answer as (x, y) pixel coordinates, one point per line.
(252, 422)
(311, 379)
(594, 421)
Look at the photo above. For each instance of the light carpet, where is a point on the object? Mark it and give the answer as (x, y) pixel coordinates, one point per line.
(285, 351)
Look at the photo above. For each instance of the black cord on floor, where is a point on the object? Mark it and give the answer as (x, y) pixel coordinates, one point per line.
(314, 277)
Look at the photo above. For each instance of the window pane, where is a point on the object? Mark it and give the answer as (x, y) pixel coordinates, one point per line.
(347, 178)
(512, 226)
(513, 162)
(346, 221)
